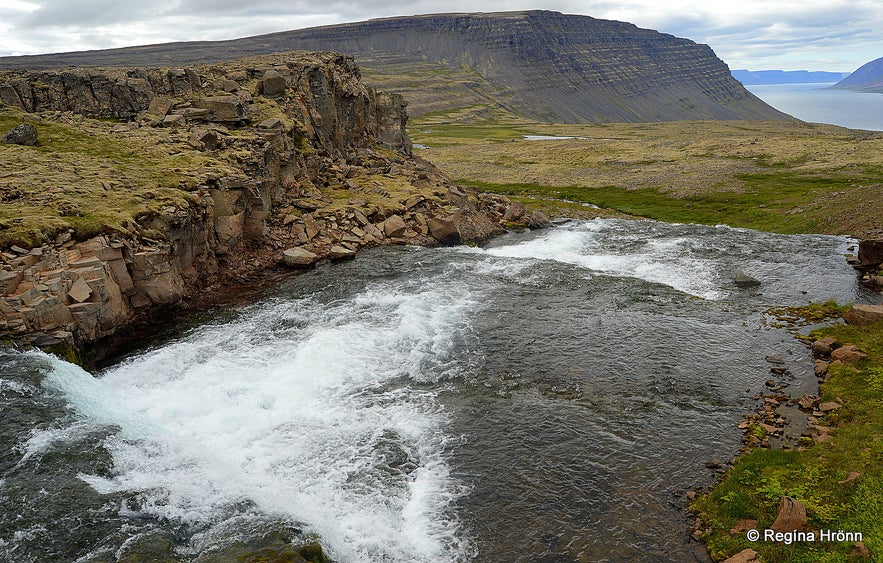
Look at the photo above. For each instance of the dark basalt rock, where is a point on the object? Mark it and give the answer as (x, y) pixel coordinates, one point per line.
(540, 64)
(24, 134)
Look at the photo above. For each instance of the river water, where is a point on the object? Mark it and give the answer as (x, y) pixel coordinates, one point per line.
(549, 397)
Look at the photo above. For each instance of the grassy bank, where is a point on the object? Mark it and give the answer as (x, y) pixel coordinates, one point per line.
(91, 176)
(782, 176)
(840, 479)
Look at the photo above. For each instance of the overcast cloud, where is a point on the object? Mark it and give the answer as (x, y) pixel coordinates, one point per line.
(836, 35)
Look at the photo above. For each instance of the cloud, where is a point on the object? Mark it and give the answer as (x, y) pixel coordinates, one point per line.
(788, 34)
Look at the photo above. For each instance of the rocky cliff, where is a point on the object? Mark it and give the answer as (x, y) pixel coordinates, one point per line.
(539, 64)
(148, 187)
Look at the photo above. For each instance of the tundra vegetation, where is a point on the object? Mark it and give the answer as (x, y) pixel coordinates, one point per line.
(779, 176)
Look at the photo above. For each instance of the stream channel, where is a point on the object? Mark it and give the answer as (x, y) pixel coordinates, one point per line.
(547, 398)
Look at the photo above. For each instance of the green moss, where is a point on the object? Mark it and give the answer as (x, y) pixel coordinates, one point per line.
(816, 475)
(82, 177)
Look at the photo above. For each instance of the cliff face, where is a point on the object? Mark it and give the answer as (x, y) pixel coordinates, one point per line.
(148, 186)
(543, 65)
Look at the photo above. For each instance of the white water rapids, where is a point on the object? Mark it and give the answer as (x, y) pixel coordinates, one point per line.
(346, 402)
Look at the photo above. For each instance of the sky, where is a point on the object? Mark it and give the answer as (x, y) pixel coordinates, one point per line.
(833, 35)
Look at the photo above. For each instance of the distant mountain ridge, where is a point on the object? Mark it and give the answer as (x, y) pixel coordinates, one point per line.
(538, 64)
(751, 77)
(868, 78)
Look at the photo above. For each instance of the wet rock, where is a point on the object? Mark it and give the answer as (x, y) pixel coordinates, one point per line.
(741, 279)
(864, 314)
(514, 212)
(791, 516)
(807, 402)
(870, 251)
(24, 134)
(298, 257)
(538, 220)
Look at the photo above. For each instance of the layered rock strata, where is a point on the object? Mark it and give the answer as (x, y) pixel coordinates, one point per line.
(294, 161)
(542, 65)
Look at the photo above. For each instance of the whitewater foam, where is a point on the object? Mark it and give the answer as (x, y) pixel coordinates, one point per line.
(659, 258)
(307, 410)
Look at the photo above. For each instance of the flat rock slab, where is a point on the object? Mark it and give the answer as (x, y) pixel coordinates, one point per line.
(298, 257)
(864, 314)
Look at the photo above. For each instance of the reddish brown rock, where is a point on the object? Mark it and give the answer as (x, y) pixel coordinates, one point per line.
(848, 353)
(791, 516)
(747, 555)
(864, 314)
(394, 226)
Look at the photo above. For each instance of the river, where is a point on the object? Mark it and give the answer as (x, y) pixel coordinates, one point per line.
(549, 397)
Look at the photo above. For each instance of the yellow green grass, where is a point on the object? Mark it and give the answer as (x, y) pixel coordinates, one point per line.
(84, 177)
(815, 476)
(781, 176)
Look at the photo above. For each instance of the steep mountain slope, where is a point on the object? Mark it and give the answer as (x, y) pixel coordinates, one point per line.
(868, 78)
(538, 64)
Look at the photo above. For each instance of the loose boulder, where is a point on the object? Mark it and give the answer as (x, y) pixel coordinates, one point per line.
(394, 226)
(298, 257)
(747, 555)
(443, 230)
(848, 353)
(792, 516)
(24, 134)
(514, 212)
(338, 252)
(870, 251)
(538, 220)
(864, 314)
(272, 85)
(744, 280)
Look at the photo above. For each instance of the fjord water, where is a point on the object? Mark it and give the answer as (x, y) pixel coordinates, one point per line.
(816, 103)
(547, 398)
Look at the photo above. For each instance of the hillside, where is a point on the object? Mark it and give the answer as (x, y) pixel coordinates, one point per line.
(537, 64)
(868, 78)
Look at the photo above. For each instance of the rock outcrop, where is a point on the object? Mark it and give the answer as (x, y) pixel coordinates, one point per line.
(540, 64)
(285, 161)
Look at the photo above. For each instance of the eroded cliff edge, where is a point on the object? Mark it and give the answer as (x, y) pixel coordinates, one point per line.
(149, 187)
